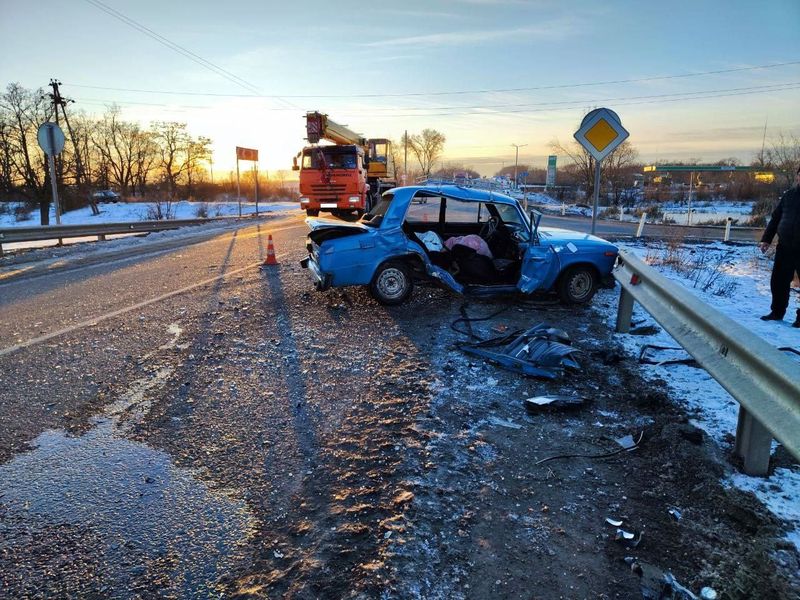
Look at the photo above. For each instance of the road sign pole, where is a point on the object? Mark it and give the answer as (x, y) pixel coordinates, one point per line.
(689, 211)
(596, 194)
(255, 173)
(238, 187)
(51, 161)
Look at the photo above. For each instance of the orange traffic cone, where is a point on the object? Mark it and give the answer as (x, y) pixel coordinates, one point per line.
(270, 260)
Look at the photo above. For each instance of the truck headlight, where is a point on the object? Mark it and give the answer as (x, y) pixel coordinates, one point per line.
(304, 200)
(354, 199)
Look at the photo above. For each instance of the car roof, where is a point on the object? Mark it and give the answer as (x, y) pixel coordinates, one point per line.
(466, 194)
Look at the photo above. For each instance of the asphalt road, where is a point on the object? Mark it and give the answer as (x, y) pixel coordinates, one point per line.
(188, 423)
(611, 228)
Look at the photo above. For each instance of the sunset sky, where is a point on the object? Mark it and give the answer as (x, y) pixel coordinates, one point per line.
(486, 73)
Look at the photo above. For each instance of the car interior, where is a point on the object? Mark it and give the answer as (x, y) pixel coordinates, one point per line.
(494, 259)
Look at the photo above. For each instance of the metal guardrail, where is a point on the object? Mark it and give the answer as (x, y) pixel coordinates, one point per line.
(764, 381)
(49, 232)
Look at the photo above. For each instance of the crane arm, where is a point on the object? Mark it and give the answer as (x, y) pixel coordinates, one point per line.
(319, 126)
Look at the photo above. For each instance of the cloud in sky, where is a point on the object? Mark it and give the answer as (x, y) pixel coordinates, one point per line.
(555, 29)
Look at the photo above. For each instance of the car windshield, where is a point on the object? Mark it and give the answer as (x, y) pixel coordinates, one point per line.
(331, 157)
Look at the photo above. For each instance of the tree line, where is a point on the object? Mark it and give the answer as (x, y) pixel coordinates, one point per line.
(100, 153)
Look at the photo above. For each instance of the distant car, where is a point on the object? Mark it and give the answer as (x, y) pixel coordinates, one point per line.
(106, 196)
(468, 240)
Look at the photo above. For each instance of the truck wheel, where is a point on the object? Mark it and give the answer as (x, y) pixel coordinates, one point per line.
(392, 283)
(577, 285)
(312, 212)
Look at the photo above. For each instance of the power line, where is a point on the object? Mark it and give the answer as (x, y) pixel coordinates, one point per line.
(174, 47)
(488, 109)
(456, 92)
(577, 104)
(776, 87)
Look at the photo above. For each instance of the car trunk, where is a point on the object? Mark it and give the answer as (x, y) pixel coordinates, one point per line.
(328, 229)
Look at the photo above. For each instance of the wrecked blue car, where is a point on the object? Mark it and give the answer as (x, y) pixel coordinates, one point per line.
(468, 240)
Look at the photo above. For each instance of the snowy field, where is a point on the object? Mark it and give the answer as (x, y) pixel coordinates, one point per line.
(735, 281)
(123, 212)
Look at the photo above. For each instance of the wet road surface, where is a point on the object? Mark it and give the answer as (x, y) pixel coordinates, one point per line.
(190, 425)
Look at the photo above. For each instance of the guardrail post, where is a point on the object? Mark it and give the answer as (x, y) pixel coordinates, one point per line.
(625, 311)
(563, 209)
(753, 444)
(641, 225)
(101, 238)
(728, 229)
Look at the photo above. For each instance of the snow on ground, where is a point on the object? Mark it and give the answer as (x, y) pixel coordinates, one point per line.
(736, 283)
(122, 212)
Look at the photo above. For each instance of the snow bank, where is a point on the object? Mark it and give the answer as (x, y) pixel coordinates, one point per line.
(122, 212)
(742, 293)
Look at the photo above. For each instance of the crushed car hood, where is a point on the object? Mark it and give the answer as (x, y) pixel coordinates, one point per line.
(328, 229)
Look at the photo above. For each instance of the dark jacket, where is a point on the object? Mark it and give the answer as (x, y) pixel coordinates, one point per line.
(785, 220)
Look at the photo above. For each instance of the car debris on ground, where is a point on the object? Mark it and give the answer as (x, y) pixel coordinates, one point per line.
(541, 351)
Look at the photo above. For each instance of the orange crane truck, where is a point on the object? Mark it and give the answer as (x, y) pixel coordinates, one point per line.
(345, 178)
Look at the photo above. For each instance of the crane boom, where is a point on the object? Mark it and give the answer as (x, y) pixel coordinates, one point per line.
(319, 126)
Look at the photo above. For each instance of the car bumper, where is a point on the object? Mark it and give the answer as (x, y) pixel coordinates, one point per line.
(322, 281)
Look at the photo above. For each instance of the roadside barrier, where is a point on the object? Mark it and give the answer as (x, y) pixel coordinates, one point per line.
(764, 381)
(51, 232)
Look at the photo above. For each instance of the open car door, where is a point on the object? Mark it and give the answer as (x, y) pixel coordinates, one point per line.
(538, 262)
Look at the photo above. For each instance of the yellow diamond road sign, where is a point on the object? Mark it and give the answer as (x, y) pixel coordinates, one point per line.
(601, 132)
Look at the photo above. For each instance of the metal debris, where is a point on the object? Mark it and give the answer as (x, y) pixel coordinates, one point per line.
(675, 513)
(627, 442)
(614, 522)
(657, 584)
(628, 538)
(541, 351)
(553, 402)
(652, 354)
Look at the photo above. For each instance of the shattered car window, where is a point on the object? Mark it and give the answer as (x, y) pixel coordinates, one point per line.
(374, 217)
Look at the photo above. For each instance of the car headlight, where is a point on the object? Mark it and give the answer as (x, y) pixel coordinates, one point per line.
(354, 199)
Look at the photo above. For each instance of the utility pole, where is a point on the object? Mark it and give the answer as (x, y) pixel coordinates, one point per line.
(405, 158)
(516, 161)
(59, 101)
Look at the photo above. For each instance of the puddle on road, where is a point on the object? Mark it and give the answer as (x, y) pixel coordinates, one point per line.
(131, 496)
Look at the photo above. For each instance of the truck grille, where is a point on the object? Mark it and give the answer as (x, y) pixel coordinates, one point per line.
(329, 188)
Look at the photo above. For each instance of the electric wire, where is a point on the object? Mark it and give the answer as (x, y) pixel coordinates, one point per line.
(174, 47)
(455, 92)
(488, 109)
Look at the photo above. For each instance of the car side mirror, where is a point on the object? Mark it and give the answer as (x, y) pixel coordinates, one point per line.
(295, 167)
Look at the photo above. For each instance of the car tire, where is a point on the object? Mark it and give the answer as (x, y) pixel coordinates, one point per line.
(577, 285)
(312, 213)
(392, 283)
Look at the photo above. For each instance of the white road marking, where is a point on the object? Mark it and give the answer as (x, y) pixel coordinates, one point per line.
(146, 253)
(94, 321)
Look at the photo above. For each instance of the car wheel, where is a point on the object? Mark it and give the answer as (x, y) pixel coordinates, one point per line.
(577, 285)
(392, 284)
(312, 213)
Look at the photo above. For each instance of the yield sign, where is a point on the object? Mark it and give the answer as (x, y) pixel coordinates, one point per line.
(601, 132)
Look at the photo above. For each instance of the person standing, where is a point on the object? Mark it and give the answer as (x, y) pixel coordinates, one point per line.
(785, 221)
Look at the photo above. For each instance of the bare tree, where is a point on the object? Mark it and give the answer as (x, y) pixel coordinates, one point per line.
(197, 152)
(173, 141)
(613, 165)
(783, 155)
(427, 147)
(21, 112)
(116, 142)
(616, 169)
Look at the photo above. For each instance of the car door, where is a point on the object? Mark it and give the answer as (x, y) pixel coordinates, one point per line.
(540, 262)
